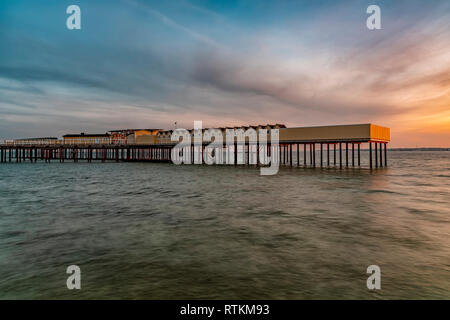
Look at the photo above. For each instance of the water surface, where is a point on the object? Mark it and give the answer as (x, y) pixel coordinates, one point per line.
(160, 231)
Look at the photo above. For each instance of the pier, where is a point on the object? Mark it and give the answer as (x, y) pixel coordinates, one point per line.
(327, 146)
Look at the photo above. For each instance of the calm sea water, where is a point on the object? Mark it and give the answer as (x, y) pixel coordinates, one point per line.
(160, 231)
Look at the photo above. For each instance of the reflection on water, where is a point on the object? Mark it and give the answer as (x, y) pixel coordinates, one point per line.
(141, 230)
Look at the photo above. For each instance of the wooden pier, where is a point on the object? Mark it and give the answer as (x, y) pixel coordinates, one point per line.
(88, 153)
(326, 146)
(322, 154)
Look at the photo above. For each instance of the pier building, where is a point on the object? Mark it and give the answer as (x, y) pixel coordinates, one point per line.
(84, 139)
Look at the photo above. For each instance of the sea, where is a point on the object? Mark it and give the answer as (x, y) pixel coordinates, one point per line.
(163, 231)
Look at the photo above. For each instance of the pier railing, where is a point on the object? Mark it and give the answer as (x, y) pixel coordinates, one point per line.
(44, 142)
(31, 142)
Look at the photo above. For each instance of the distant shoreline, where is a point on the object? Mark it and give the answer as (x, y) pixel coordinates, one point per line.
(419, 149)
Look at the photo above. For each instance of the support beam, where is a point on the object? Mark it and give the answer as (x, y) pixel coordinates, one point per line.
(376, 154)
(321, 156)
(334, 151)
(290, 158)
(381, 155)
(346, 154)
(353, 154)
(328, 154)
(234, 151)
(314, 155)
(359, 154)
(304, 154)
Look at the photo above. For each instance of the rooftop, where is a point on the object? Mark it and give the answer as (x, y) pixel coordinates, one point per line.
(86, 135)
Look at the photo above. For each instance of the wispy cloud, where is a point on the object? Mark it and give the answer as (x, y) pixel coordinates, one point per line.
(175, 25)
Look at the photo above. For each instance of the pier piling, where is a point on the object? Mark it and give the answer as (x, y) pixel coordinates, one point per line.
(239, 153)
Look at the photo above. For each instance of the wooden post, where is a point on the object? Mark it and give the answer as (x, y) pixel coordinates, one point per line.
(340, 154)
(304, 154)
(290, 158)
(321, 149)
(376, 154)
(359, 154)
(310, 154)
(258, 160)
(314, 155)
(248, 152)
(353, 154)
(385, 154)
(346, 154)
(334, 150)
(328, 154)
(235, 152)
(381, 155)
(370, 154)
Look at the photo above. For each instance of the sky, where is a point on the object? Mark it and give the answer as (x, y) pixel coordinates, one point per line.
(149, 64)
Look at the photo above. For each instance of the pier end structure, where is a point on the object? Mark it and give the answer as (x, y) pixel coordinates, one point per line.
(377, 137)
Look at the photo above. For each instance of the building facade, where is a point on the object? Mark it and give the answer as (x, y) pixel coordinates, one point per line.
(84, 138)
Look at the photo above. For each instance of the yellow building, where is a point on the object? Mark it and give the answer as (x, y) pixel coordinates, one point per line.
(134, 136)
(345, 133)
